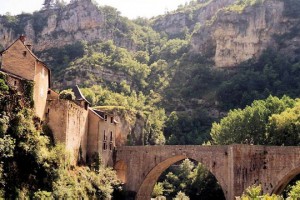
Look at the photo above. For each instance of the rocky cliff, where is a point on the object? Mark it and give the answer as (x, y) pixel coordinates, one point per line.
(233, 37)
(177, 22)
(232, 31)
(56, 27)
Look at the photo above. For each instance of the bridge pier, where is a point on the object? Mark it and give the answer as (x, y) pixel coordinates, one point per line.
(236, 167)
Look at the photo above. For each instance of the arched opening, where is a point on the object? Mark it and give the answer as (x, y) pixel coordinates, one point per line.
(188, 178)
(121, 169)
(151, 179)
(289, 179)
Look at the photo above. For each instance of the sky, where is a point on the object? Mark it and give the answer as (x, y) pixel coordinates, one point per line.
(128, 8)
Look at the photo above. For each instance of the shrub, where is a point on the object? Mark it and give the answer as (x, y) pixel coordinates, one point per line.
(3, 86)
(65, 94)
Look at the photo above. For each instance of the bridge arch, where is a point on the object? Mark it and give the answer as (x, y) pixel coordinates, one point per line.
(151, 178)
(235, 166)
(284, 181)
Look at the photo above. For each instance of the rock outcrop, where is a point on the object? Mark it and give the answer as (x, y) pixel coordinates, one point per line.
(79, 20)
(230, 32)
(235, 37)
(174, 24)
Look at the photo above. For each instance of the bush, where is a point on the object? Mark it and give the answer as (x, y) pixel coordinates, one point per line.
(65, 94)
(3, 86)
(42, 195)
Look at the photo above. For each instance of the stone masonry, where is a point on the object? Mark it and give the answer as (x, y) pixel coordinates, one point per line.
(236, 167)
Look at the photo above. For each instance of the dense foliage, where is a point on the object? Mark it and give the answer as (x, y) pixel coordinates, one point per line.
(192, 179)
(273, 73)
(272, 121)
(255, 192)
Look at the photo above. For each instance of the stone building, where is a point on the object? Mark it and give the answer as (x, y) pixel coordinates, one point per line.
(20, 63)
(101, 135)
(84, 131)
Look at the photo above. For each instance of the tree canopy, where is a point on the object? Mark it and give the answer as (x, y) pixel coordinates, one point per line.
(273, 121)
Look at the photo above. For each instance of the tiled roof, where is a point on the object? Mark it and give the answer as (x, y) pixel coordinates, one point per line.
(102, 115)
(99, 114)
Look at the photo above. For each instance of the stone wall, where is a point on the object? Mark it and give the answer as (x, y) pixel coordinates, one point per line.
(69, 124)
(94, 145)
(41, 86)
(15, 83)
(236, 167)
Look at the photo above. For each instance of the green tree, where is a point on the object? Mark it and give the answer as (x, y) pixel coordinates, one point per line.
(254, 192)
(142, 57)
(194, 180)
(295, 191)
(284, 128)
(3, 86)
(249, 125)
(181, 196)
(158, 190)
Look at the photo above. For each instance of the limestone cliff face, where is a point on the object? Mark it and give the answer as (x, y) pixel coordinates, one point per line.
(229, 34)
(235, 37)
(72, 24)
(175, 23)
(7, 35)
(80, 20)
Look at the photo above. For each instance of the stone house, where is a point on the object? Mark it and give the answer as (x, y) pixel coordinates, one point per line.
(102, 135)
(19, 62)
(84, 131)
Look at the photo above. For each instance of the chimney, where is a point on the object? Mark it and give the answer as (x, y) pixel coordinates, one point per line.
(22, 38)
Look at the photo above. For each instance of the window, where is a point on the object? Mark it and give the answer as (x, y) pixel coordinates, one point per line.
(104, 146)
(24, 53)
(105, 117)
(111, 119)
(111, 136)
(15, 83)
(104, 136)
(110, 146)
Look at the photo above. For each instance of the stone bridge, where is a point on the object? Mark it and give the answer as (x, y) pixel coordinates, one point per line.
(235, 166)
